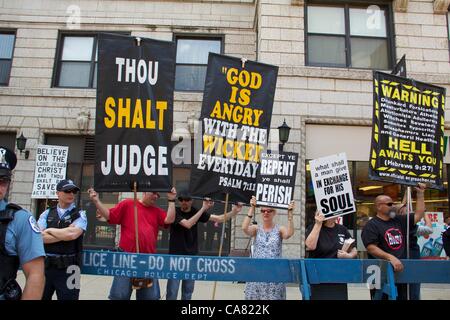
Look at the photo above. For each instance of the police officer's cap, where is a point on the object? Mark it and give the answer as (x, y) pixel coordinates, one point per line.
(66, 184)
(8, 161)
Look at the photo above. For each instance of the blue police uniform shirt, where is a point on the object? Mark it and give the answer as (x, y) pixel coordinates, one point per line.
(23, 237)
(81, 222)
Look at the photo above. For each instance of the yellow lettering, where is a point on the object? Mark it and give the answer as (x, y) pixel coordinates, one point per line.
(109, 104)
(123, 112)
(149, 123)
(216, 111)
(161, 106)
(138, 118)
(232, 76)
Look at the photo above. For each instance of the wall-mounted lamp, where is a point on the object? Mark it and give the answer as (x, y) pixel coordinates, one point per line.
(283, 132)
(21, 145)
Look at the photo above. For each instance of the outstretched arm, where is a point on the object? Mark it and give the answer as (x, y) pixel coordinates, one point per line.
(313, 237)
(188, 223)
(286, 233)
(420, 202)
(248, 229)
(171, 196)
(221, 218)
(101, 208)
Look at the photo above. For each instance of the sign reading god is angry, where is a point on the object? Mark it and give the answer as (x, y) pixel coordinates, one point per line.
(134, 113)
(236, 114)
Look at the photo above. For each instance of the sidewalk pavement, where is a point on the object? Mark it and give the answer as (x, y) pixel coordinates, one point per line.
(97, 288)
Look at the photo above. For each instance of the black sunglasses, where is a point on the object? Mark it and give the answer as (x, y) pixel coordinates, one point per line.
(74, 191)
(184, 199)
(389, 204)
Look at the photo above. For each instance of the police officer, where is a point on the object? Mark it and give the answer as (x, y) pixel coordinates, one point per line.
(20, 242)
(62, 228)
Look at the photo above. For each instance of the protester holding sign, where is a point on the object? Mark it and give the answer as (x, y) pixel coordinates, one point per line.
(62, 231)
(325, 239)
(414, 250)
(184, 238)
(150, 218)
(385, 237)
(267, 244)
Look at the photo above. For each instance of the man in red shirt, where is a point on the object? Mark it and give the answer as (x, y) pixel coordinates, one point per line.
(150, 219)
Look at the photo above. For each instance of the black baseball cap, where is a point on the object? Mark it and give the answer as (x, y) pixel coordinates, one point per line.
(184, 195)
(8, 161)
(66, 184)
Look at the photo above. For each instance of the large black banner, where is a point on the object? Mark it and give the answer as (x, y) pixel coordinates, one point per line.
(235, 118)
(408, 131)
(134, 115)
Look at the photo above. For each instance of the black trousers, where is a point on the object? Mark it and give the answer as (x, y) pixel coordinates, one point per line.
(329, 291)
(401, 291)
(56, 280)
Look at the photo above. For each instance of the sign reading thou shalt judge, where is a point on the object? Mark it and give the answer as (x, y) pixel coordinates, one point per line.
(275, 182)
(332, 186)
(408, 131)
(236, 114)
(134, 113)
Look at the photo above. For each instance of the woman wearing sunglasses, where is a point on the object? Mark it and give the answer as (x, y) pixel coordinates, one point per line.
(267, 243)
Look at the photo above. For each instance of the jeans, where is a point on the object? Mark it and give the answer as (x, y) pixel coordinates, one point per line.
(187, 288)
(56, 280)
(121, 289)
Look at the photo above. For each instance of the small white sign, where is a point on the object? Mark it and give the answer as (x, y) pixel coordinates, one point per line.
(332, 185)
(51, 164)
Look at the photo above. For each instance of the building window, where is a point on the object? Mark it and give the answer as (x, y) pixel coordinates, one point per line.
(192, 60)
(77, 62)
(6, 54)
(8, 139)
(348, 36)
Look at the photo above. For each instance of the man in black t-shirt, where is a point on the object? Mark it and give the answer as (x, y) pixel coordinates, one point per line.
(184, 237)
(384, 236)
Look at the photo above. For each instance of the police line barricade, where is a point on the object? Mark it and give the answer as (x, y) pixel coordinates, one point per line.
(371, 271)
(301, 271)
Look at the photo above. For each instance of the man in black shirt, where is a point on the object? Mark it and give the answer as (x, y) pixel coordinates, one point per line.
(384, 235)
(184, 238)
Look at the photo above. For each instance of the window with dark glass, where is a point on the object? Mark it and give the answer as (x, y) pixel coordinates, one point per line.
(348, 36)
(192, 60)
(8, 139)
(77, 62)
(6, 54)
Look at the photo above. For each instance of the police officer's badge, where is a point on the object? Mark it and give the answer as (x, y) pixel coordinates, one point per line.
(34, 225)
